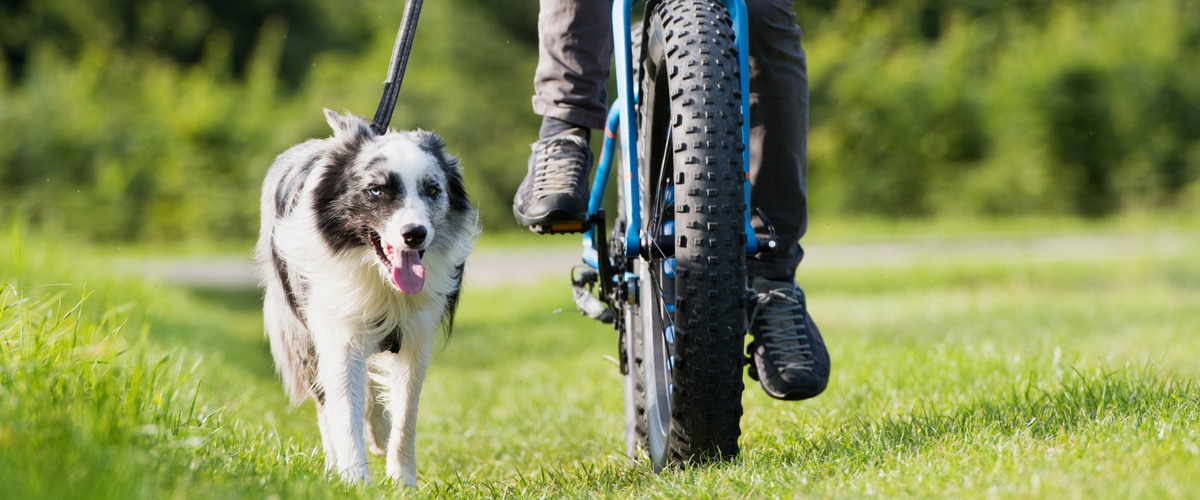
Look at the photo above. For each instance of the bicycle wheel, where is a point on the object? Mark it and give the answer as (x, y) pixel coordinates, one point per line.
(691, 307)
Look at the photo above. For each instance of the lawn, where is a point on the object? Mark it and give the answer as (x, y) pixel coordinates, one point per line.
(1016, 379)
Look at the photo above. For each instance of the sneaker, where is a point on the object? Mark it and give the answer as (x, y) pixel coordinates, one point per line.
(788, 356)
(555, 189)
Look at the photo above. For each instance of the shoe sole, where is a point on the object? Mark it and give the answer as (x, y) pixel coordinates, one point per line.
(553, 218)
(797, 395)
(793, 395)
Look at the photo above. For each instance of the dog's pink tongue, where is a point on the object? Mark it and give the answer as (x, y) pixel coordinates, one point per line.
(408, 272)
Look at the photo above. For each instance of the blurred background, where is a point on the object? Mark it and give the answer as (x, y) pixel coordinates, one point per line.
(155, 120)
(1005, 201)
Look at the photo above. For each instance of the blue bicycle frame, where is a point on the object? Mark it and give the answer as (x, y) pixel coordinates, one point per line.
(622, 114)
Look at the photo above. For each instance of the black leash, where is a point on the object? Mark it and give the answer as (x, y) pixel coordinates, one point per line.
(391, 86)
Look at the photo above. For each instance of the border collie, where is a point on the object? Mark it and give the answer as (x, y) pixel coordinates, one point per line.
(361, 254)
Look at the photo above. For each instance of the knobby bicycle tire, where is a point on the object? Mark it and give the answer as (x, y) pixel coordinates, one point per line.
(690, 157)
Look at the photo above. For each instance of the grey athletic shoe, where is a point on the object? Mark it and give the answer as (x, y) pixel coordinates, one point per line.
(555, 189)
(788, 354)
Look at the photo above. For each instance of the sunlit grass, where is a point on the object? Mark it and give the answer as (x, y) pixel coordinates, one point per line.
(1016, 379)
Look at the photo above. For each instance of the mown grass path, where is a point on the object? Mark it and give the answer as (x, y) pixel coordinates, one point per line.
(493, 266)
(1021, 378)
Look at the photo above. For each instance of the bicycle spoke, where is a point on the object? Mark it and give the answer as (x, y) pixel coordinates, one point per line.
(654, 230)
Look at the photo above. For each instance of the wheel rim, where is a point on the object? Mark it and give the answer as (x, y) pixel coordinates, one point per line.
(656, 299)
(655, 352)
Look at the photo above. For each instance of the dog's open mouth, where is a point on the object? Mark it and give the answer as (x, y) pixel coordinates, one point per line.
(405, 265)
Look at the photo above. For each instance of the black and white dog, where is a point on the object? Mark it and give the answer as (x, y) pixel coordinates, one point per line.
(361, 253)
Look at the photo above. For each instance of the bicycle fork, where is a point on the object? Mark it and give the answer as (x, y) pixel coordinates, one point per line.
(621, 127)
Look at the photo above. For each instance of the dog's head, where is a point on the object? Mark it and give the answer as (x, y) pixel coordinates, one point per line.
(396, 193)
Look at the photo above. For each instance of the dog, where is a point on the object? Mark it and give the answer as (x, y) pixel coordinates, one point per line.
(361, 254)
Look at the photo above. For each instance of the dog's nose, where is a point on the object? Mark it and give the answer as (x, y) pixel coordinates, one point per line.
(414, 235)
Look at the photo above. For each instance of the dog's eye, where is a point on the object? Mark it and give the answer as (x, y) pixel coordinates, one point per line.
(432, 190)
(374, 191)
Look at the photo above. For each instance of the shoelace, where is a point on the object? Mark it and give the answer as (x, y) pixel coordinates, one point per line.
(559, 163)
(782, 335)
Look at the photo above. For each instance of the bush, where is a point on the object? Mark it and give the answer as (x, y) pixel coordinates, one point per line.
(1075, 108)
(121, 129)
(135, 145)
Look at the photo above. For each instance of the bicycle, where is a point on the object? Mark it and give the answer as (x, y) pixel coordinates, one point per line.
(674, 265)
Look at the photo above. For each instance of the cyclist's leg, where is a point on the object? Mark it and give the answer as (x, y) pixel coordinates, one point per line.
(574, 54)
(778, 134)
(574, 48)
(790, 359)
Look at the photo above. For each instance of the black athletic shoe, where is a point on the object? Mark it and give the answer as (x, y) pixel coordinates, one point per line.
(788, 354)
(555, 189)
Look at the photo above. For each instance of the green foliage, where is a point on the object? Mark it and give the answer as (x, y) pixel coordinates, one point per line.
(156, 120)
(131, 145)
(179, 29)
(999, 108)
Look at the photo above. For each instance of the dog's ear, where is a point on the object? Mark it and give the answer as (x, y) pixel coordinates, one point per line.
(348, 126)
(432, 143)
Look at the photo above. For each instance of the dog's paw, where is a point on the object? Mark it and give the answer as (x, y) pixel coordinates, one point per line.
(330, 462)
(406, 477)
(356, 474)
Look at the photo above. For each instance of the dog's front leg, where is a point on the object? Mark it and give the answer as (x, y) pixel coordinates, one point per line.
(342, 373)
(326, 438)
(407, 379)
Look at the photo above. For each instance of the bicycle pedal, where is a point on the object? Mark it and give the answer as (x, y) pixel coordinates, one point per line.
(585, 301)
(561, 228)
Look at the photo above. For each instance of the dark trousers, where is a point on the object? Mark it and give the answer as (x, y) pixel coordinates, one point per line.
(574, 55)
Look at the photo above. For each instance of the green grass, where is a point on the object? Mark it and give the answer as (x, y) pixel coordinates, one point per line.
(1012, 380)
(822, 229)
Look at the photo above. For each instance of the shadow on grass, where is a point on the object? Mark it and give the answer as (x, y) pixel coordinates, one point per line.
(232, 299)
(1135, 397)
(608, 477)
(221, 321)
(1129, 397)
